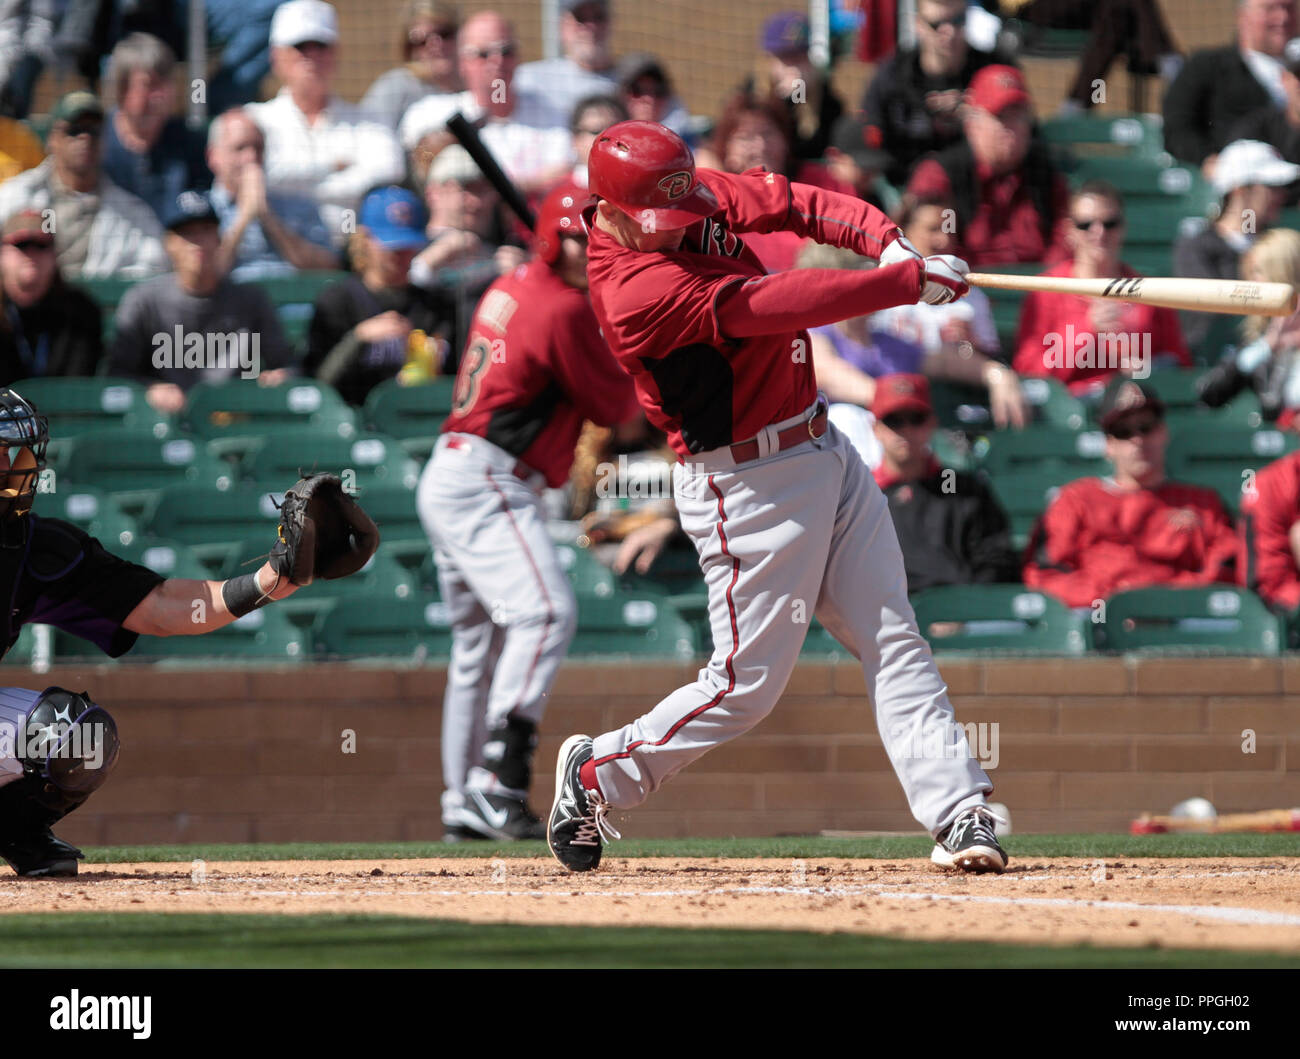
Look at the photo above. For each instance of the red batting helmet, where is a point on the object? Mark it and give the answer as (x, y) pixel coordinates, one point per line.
(644, 168)
(560, 214)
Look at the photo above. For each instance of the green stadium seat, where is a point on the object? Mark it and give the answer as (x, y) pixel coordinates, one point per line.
(215, 525)
(77, 406)
(1118, 136)
(242, 407)
(409, 411)
(960, 406)
(371, 459)
(632, 625)
(588, 575)
(1026, 491)
(997, 618)
(1184, 410)
(1011, 451)
(168, 558)
(1157, 224)
(133, 465)
(1223, 458)
(393, 509)
(294, 298)
(382, 627)
(1220, 619)
(20, 654)
(261, 636)
(94, 511)
(1053, 404)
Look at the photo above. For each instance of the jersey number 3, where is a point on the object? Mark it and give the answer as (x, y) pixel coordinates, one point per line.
(469, 382)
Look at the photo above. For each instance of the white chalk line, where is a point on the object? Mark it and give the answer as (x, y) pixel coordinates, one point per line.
(1229, 914)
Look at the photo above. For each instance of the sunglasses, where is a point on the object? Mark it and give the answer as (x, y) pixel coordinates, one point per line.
(302, 47)
(591, 16)
(899, 420)
(419, 40)
(505, 51)
(654, 89)
(1128, 431)
(93, 129)
(956, 22)
(1109, 224)
(28, 246)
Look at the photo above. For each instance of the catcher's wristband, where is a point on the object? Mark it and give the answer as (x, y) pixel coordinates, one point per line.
(243, 594)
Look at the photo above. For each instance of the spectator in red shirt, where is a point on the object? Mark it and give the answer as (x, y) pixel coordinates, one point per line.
(1134, 528)
(1084, 341)
(1269, 559)
(1010, 200)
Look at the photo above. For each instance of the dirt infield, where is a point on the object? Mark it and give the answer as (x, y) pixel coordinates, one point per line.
(1186, 903)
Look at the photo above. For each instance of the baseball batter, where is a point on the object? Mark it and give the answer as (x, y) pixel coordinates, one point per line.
(783, 512)
(58, 747)
(534, 368)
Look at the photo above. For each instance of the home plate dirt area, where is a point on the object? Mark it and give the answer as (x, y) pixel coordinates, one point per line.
(1192, 903)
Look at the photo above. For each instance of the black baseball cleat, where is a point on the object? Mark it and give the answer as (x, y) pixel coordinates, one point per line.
(577, 828)
(969, 843)
(500, 817)
(40, 855)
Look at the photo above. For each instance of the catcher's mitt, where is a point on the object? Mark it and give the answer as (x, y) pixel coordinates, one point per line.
(323, 532)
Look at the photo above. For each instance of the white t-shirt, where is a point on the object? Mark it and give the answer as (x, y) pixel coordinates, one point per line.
(334, 161)
(921, 324)
(525, 150)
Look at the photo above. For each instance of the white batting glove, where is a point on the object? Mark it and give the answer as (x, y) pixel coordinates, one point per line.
(945, 279)
(901, 249)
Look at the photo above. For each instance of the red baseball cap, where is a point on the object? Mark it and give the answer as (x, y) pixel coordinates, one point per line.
(901, 393)
(994, 88)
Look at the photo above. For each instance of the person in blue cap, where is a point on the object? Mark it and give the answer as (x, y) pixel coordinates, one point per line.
(366, 327)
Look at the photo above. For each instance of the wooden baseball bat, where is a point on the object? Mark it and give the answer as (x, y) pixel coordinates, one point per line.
(1264, 820)
(468, 137)
(1200, 295)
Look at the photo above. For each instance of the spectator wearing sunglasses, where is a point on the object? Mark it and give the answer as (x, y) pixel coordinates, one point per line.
(646, 92)
(521, 128)
(585, 69)
(950, 526)
(1083, 342)
(914, 100)
(317, 144)
(1134, 528)
(47, 327)
(100, 230)
(428, 67)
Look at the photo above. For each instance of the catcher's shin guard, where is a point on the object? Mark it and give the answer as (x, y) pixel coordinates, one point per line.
(508, 753)
(56, 749)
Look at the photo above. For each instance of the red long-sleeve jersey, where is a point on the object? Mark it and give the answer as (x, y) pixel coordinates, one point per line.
(1266, 561)
(534, 368)
(717, 348)
(1096, 539)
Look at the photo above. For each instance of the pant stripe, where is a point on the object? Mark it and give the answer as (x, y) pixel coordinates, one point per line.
(735, 646)
(541, 587)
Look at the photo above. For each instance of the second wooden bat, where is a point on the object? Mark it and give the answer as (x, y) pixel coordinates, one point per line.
(1200, 295)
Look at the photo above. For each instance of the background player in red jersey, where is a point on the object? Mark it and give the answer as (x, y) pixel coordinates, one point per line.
(534, 368)
(783, 512)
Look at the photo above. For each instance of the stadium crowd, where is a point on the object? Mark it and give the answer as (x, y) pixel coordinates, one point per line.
(946, 139)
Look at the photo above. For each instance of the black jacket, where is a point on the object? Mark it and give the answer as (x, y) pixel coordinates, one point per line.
(59, 335)
(1205, 255)
(896, 104)
(1214, 90)
(952, 531)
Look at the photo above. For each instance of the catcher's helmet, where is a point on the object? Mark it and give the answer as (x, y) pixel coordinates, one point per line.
(24, 433)
(648, 172)
(560, 215)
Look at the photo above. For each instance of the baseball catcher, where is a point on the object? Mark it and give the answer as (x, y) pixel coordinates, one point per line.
(784, 514)
(57, 747)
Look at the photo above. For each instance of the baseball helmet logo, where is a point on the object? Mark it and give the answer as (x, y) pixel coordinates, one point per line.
(675, 185)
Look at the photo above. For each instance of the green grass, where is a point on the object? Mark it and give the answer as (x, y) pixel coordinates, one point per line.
(172, 941)
(890, 847)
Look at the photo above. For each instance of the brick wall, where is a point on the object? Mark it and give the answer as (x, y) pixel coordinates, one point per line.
(1084, 745)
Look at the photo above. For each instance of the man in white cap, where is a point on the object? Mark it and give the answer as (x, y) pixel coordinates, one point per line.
(1251, 179)
(520, 128)
(317, 144)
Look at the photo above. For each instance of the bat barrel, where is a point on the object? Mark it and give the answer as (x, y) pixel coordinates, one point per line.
(1239, 297)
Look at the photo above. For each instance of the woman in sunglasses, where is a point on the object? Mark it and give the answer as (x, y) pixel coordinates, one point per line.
(429, 68)
(1083, 342)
